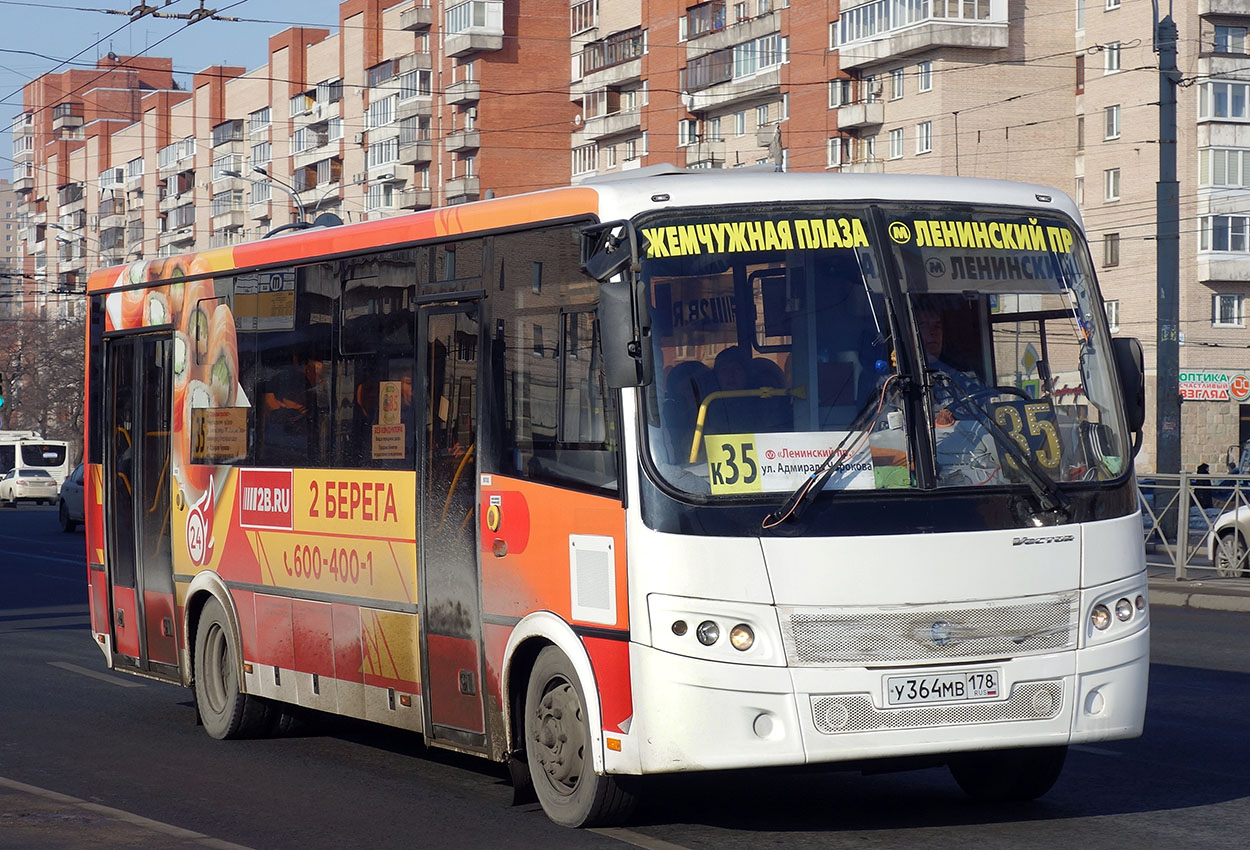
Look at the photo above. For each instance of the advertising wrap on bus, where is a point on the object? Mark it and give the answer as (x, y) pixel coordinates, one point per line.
(673, 472)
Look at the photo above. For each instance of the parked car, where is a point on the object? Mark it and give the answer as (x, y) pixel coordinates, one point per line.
(27, 485)
(1227, 546)
(71, 501)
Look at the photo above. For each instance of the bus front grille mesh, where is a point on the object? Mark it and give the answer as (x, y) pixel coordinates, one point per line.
(856, 712)
(1004, 629)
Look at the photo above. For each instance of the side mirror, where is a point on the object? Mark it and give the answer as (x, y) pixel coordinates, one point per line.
(626, 355)
(1130, 364)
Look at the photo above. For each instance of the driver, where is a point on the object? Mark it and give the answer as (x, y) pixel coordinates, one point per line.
(966, 454)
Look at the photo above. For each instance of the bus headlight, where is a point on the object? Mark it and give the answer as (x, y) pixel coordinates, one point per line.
(741, 637)
(1123, 610)
(707, 633)
(1100, 617)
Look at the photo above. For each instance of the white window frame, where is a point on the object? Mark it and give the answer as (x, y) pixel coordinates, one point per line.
(1111, 122)
(924, 76)
(1219, 301)
(924, 137)
(1111, 184)
(1111, 59)
(896, 143)
(1112, 309)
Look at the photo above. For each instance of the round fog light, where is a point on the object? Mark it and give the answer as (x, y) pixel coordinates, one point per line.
(1123, 610)
(1100, 617)
(707, 633)
(679, 627)
(741, 637)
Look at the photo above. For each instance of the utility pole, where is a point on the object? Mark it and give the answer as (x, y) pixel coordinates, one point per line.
(1167, 258)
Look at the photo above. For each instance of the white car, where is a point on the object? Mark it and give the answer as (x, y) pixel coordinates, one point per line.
(27, 485)
(71, 501)
(1227, 544)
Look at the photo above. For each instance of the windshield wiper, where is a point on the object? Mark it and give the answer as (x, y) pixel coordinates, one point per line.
(792, 508)
(1050, 499)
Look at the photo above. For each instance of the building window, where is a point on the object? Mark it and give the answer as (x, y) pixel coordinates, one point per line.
(760, 54)
(382, 112)
(1113, 314)
(1226, 311)
(1112, 5)
(1230, 39)
(896, 84)
(761, 115)
(1111, 249)
(841, 92)
(924, 76)
(1080, 74)
(1224, 100)
(1111, 122)
(1224, 167)
(1078, 191)
(1111, 58)
(1223, 233)
(585, 159)
(924, 137)
(1111, 184)
(740, 123)
(896, 144)
(835, 152)
(1080, 132)
(259, 120)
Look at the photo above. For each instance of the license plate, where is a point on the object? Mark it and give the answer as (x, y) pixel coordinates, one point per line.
(965, 686)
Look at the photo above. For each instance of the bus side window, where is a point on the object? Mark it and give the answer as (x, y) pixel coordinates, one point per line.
(555, 414)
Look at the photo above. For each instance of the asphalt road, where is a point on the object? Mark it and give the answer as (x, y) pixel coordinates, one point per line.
(93, 759)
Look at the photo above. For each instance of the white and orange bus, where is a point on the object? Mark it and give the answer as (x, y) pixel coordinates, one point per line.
(654, 474)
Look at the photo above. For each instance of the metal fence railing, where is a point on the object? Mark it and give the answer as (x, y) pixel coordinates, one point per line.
(1198, 525)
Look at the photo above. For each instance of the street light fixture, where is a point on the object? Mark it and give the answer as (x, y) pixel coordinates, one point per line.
(376, 178)
(290, 190)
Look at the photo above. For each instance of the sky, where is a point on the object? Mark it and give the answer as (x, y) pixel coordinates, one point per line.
(37, 36)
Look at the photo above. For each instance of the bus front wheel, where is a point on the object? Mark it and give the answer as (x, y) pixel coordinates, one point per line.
(558, 750)
(224, 710)
(1008, 776)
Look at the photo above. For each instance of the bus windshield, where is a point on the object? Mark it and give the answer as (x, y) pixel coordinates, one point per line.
(794, 336)
(44, 454)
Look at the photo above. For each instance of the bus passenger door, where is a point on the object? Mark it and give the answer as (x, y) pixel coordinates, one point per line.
(450, 606)
(139, 559)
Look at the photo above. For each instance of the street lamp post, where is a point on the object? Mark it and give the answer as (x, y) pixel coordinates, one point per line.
(290, 190)
(361, 181)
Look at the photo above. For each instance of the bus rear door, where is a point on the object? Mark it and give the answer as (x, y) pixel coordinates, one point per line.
(139, 562)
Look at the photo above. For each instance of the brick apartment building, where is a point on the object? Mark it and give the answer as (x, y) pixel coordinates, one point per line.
(420, 104)
(10, 252)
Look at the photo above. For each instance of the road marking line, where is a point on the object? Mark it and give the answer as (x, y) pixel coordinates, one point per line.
(41, 623)
(96, 674)
(5, 613)
(23, 555)
(124, 816)
(1098, 751)
(637, 839)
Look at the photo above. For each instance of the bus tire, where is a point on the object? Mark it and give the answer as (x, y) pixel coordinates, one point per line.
(1008, 776)
(557, 749)
(224, 710)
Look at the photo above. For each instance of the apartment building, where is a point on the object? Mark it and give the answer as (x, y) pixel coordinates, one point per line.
(416, 104)
(11, 289)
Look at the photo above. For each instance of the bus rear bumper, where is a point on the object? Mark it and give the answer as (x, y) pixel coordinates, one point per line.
(698, 715)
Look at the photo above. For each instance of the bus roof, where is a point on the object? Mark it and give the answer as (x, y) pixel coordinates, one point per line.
(611, 197)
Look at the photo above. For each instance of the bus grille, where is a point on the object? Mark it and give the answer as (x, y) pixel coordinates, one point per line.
(856, 713)
(819, 636)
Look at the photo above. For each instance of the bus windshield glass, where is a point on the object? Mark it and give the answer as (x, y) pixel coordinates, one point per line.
(43, 454)
(806, 335)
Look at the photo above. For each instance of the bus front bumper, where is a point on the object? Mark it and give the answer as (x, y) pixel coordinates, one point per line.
(693, 714)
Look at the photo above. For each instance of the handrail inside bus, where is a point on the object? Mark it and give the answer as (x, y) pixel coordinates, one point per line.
(762, 392)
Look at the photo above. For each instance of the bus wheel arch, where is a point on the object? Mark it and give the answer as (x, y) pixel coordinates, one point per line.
(215, 654)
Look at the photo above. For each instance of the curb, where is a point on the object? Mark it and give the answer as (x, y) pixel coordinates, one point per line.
(1199, 600)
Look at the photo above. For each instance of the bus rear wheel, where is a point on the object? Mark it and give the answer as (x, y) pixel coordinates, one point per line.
(224, 710)
(558, 750)
(1008, 776)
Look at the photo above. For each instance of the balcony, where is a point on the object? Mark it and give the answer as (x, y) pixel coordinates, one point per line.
(462, 189)
(763, 86)
(466, 140)
(707, 153)
(262, 211)
(988, 32)
(413, 108)
(861, 115)
(116, 219)
(229, 220)
(184, 236)
(606, 126)
(472, 27)
(67, 116)
(414, 199)
(1221, 7)
(416, 153)
(465, 91)
(24, 184)
(416, 19)
(872, 166)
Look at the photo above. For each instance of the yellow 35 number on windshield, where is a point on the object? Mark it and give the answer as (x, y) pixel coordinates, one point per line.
(1032, 425)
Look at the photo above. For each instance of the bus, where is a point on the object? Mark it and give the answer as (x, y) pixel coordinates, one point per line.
(28, 450)
(646, 475)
